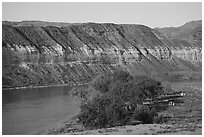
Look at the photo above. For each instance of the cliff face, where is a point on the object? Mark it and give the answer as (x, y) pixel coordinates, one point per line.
(47, 55)
(191, 32)
(182, 48)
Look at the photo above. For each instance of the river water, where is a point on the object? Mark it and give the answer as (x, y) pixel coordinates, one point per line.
(33, 111)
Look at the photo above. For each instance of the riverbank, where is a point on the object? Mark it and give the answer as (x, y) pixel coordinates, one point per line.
(71, 128)
(184, 118)
(47, 86)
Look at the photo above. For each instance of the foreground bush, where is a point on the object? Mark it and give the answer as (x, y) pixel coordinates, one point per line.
(93, 114)
(145, 114)
(119, 100)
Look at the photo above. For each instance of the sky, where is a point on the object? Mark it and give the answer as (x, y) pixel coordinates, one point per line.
(153, 14)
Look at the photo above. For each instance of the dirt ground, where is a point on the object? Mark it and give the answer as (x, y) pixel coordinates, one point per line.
(142, 129)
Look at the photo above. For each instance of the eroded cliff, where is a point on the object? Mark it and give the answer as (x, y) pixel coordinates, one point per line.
(73, 54)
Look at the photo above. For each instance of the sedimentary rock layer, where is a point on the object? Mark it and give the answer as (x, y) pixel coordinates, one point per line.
(47, 55)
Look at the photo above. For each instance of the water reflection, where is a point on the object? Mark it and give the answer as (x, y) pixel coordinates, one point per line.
(32, 111)
(18, 95)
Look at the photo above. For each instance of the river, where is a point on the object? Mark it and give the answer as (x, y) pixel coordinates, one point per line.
(33, 111)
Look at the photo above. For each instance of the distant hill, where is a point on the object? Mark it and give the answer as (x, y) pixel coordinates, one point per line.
(191, 32)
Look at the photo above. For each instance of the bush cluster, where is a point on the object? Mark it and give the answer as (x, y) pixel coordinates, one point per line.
(119, 100)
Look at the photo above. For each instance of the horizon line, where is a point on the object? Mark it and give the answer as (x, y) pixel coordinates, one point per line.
(94, 22)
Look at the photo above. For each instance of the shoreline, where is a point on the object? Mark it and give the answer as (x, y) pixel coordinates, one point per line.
(60, 125)
(81, 84)
(47, 86)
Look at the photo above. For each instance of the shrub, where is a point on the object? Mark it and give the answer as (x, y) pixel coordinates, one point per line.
(101, 82)
(145, 114)
(118, 96)
(93, 114)
(149, 87)
(121, 75)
